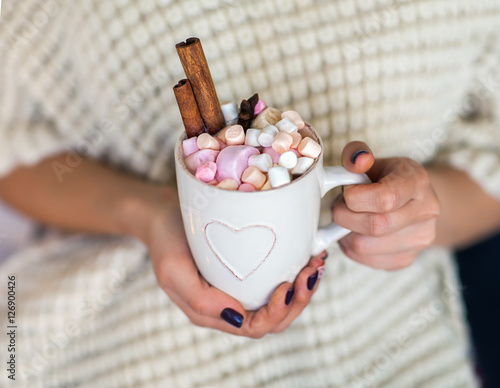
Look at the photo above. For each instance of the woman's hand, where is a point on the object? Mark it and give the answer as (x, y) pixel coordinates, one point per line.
(205, 305)
(392, 219)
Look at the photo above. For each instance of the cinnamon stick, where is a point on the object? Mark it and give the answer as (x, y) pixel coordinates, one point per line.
(196, 68)
(190, 113)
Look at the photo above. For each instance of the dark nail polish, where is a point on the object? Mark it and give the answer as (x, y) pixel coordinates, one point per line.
(289, 295)
(232, 317)
(356, 154)
(311, 281)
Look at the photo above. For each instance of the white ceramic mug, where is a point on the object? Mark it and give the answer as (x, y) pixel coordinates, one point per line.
(248, 243)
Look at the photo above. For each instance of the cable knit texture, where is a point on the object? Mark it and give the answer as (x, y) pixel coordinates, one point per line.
(411, 78)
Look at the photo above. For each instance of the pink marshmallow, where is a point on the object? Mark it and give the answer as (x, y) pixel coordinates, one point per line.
(310, 148)
(233, 160)
(282, 142)
(206, 171)
(275, 156)
(261, 105)
(189, 146)
(247, 187)
(254, 176)
(222, 144)
(193, 161)
(297, 138)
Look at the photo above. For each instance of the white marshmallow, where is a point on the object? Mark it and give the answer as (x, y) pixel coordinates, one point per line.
(230, 112)
(288, 160)
(235, 135)
(287, 125)
(206, 141)
(279, 176)
(303, 164)
(295, 117)
(263, 162)
(266, 136)
(252, 137)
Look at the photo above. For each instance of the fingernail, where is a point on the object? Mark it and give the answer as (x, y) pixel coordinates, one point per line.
(321, 271)
(325, 255)
(311, 281)
(232, 317)
(289, 295)
(356, 154)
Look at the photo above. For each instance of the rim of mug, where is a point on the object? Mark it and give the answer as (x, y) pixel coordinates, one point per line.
(179, 161)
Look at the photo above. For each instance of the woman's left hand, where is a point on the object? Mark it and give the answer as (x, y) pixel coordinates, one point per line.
(392, 219)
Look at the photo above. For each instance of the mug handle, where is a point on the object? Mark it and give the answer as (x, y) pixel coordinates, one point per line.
(333, 177)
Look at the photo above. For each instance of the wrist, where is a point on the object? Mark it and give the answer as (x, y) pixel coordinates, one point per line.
(138, 210)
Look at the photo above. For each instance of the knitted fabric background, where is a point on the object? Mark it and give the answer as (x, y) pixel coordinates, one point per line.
(411, 78)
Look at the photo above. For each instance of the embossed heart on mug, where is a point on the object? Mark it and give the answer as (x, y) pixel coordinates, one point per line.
(241, 250)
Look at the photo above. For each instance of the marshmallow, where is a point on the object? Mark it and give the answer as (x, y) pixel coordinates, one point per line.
(295, 117)
(263, 162)
(228, 184)
(233, 160)
(247, 187)
(266, 136)
(279, 176)
(230, 112)
(269, 116)
(259, 108)
(308, 147)
(272, 153)
(287, 125)
(235, 135)
(222, 134)
(206, 141)
(252, 137)
(253, 176)
(297, 138)
(222, 145)
(303, 164)
(206, 171)
(282, 142)
(267, 186)
(288, 160)
(189, 146)
(193, 161)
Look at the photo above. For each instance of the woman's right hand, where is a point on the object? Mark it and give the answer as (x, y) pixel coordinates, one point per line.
(205, 305)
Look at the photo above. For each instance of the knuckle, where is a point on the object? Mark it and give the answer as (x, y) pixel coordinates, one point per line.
(256, 330)
(336, 214)
(359, 246)
(198, 305)
(423, 178)
(379, 224)
(163, 278)
(386, 201)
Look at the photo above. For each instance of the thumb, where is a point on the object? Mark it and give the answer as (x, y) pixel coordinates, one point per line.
(357, 157)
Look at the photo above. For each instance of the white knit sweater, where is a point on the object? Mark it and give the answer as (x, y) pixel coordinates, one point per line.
(95, 77)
